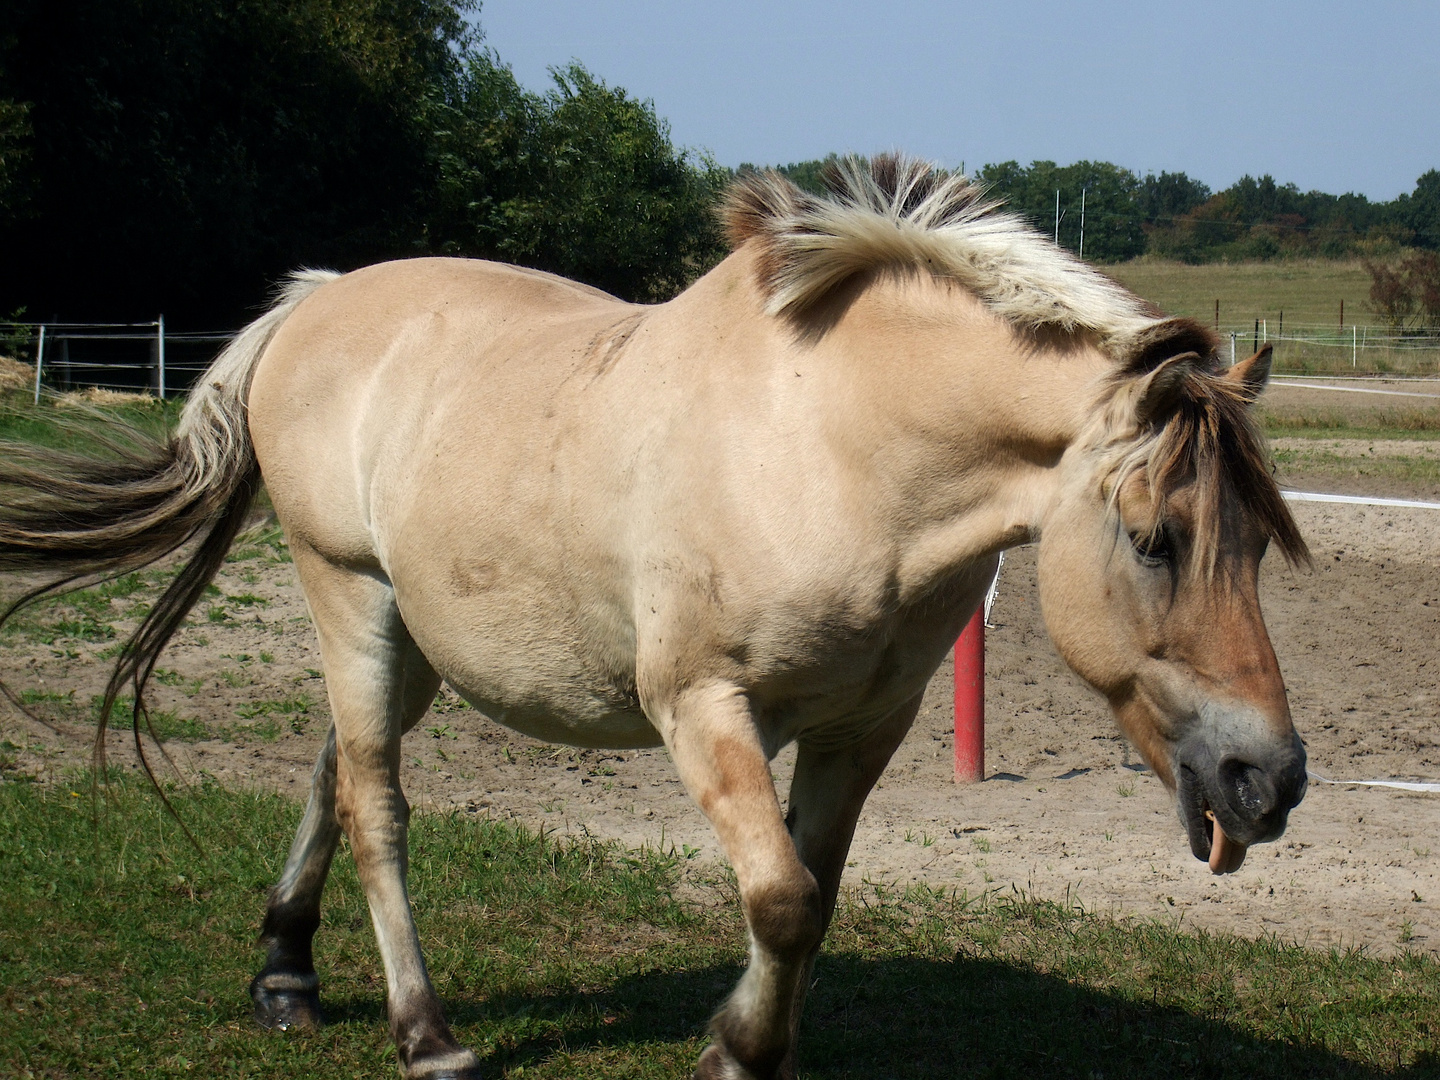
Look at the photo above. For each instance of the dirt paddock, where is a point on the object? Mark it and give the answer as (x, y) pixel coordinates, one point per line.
(1066, 811)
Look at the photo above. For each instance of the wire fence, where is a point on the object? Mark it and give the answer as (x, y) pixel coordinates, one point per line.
(1317, 348)
(148, 358)
(135, 357)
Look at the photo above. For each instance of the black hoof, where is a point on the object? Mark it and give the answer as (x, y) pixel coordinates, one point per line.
(467, 1072)
(287, 1008)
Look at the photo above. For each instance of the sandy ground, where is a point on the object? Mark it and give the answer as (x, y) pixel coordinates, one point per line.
(1066, 811)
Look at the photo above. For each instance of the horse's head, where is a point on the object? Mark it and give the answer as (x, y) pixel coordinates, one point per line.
(1149, 566)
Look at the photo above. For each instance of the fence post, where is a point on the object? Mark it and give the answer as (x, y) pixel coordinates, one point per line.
(160, 355)
(970, 701)
(1232, 348)
(39, 361)
(1354, 347)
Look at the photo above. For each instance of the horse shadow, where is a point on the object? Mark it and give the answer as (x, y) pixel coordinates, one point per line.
(917, 1019)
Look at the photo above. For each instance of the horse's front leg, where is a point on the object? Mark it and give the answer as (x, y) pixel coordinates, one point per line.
(715, 745)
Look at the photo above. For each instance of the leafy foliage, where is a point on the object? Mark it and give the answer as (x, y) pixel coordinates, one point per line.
(582, 181)
(1407, 293)
(180, 155)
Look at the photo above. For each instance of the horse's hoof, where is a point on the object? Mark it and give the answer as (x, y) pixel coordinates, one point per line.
(715, 1064)
(465, 1072)
(286, 1008)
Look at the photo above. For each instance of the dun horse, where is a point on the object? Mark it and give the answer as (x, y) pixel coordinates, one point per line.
(755, 515)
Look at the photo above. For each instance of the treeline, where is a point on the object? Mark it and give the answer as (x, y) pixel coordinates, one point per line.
(1174, 216)
(181, 155)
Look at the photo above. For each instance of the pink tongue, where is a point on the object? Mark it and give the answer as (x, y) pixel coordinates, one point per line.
(1225, 854)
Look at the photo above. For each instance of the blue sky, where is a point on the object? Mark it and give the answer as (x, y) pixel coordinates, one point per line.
(1339, 97)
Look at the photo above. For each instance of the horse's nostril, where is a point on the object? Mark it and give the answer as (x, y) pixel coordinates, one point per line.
(1254, 792)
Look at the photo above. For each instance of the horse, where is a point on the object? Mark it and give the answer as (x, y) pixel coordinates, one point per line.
(756, 514)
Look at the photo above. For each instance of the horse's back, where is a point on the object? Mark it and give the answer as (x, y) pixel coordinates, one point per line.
(406, 419)
(355, 374)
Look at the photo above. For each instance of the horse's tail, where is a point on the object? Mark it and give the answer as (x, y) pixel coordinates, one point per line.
(85, 517)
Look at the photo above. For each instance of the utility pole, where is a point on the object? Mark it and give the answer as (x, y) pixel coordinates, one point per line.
(1057, 217)
(1082, 223)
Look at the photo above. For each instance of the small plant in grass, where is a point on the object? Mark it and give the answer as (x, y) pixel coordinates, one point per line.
(1125, 790)
(217, 614)
(232, 678)
(299, 705)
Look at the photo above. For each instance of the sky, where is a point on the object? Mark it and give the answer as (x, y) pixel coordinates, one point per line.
(1329, 96)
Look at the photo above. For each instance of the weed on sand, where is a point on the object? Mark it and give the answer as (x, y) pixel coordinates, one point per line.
(128, 953)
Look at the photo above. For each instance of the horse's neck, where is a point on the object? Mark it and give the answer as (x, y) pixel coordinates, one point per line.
(989, 412)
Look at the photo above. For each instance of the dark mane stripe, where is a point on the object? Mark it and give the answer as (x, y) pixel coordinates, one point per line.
(1210, 441)
(891, 211)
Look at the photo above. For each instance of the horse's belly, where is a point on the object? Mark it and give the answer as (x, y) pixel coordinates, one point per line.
(527, 662)
(571, 715)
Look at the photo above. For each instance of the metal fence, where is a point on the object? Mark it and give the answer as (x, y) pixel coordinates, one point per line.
(1308, 347)
(146, 357)
(142, 357)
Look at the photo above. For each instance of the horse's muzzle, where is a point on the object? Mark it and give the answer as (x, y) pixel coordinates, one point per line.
(1247, 794)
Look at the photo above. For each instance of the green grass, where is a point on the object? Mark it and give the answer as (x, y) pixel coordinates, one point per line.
(1332, 423)
(127, 954)
(1306, 290)
(1316, 458)
(86, 614)
(47, 424)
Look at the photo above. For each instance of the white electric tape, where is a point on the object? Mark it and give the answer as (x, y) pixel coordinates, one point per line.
(1358, 500)
(1403, 785)
(1354, 389)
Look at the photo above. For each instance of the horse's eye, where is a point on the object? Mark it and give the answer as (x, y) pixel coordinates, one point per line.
(1153, 548)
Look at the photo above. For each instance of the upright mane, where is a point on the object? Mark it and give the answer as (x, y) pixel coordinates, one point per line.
(898, 211)
(895, 211)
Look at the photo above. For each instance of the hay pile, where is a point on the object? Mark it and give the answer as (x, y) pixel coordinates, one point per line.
(96, 395)
(15, 375)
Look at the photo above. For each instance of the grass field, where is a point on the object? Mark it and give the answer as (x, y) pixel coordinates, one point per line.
(1307, 291)
(127, 954)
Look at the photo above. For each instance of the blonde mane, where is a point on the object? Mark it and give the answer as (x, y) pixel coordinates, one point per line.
(893, 211)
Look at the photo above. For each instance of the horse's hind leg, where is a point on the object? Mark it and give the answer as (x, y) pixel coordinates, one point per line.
(379, 684)
(287, 990)
(286, 993)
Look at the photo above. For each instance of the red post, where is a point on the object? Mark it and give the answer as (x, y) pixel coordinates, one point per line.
(970, 702)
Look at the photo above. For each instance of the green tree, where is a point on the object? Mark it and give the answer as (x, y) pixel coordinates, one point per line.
(182, 151)
(180, 155)
(607, 198)
(1419, 212)
(1113, 225)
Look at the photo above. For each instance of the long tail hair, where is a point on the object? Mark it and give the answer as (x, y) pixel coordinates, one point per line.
(86, 518)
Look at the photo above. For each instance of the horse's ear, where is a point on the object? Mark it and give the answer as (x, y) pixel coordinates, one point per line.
(1158, 392)
(1253, 375)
